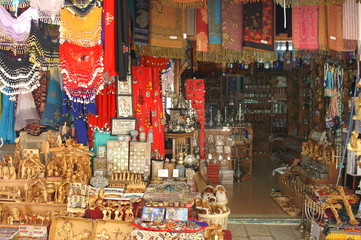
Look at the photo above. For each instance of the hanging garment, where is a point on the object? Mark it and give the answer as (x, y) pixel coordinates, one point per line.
(122, 39)
(334, 27)
(82, 70)
(83, 31)
(48, 10)
(350, 24)
(25, 111)
(7, 131)
(14, 32)
(215, 22)
(18, 75)
(81, 9)
(305, 27)
(202, 30)
(109, 37)
(141, 22)
(42, 50)
(259, 26)
(322, 28)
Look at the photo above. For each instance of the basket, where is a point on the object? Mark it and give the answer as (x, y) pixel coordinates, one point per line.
(221, 219)
(224, 203)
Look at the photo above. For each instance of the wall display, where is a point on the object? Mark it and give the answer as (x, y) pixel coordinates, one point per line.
(117, 156)
(101, 151)
(125, 87)
(121, 126)
(139, 157)
(111, 229)
(71, 228)
(124, 106)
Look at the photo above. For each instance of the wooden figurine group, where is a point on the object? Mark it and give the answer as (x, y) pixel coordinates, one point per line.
(318, 151)
(127, 176)
(7, 168)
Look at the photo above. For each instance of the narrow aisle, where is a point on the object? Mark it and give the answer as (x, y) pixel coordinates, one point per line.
(252, 198)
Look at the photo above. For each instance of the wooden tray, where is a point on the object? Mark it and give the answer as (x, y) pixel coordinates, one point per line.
(115, 229)
(79, 226)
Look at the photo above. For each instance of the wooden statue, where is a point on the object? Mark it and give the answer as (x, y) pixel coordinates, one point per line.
(333, 206)
(357, 116)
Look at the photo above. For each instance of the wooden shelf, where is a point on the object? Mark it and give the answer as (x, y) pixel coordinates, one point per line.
(178, 135)
(37, 204)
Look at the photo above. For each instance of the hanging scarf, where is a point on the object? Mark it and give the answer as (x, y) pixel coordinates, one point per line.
(109, 37)
(296, 3)
(7, 120)
(186, 3)
(25, 111)
(156, 62)
(141, 22)
(334, 27)
(215, 22)
(202, 30)
(232, 27)
(82, 70)
(42, 50)
(84, 31)
(18, 75)
(350, 24)
(322, 28)
(48, 10)
(305, 27)
(258, 26)
(14, 32)
(122, 38)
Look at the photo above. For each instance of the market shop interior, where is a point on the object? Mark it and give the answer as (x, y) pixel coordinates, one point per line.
(173, 119)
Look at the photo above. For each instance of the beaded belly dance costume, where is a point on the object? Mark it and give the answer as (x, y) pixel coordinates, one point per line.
(49, 10)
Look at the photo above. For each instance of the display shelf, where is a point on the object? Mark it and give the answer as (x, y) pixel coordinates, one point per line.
(50, 205)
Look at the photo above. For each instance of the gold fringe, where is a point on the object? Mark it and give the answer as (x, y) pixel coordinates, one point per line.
(178, 53)
(186, 4)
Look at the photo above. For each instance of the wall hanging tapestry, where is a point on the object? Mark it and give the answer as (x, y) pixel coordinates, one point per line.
(109, 37)
(334, 27)
(202, 30)
(84, 31)
(18, 75)
(167, 26)
(186, 3)
(82, 70)
(42, 50)
(305, 27)
(7, 120)
(215, 22)
(14, 32)
(49, 11)
(141, 22)
(232, 27)
(259, 26)
(122, 39)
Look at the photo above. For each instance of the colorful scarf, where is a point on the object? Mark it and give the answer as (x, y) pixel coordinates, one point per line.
(334, 27)
(109, 37)
(82, 70)
(259, 26)
(322, 28)
(84, 31)
(350, 23)
(186, 3)
(141, 22)
(232, 25)
(305, 27)
(215, 22)
(49, 11)
(202, 30)
(14, 32)
(7, 120)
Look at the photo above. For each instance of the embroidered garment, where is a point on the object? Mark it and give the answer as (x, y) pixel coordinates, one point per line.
(350, 20)
(42, 50)
(18, 75)
(232, 26)
(141, 22)
(109, 36)
(157, 62)
(259, 26)
(305, 27)
(48, 10)
(7, 120)
(202, 30)
(25, 111)
(81, 10)
(84, 31)
(82, 70)
(14, 32)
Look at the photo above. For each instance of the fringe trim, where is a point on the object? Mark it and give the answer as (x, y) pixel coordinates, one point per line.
(179, 53)
(15, 48)
(45, 17)
(186, 3)
(8, 4)
(290, 3)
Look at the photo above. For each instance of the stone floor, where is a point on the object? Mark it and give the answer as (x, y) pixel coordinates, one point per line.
(264, 232)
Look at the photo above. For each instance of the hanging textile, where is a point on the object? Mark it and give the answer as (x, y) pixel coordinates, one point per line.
(25, 111)
(81, 9)
(334, 27)
(14, 32)
(122, 39)
(109, 37)
(195, 90)
(49, 11)
(350, 23)
(167, 76)
(18, 75)
(52, 113)
(82, 70)
(141, 22)
(295, 3)
(322, 28)
(232, 27)
(85, 31)
(259, 26)
(186, 3)
(106, 108)
(7, 132)
(157, 62)
(148, 106)
(215, 22)
(202, 30)
(305, 27)
(42, 50)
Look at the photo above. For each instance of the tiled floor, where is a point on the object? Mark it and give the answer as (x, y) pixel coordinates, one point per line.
(264, 232)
